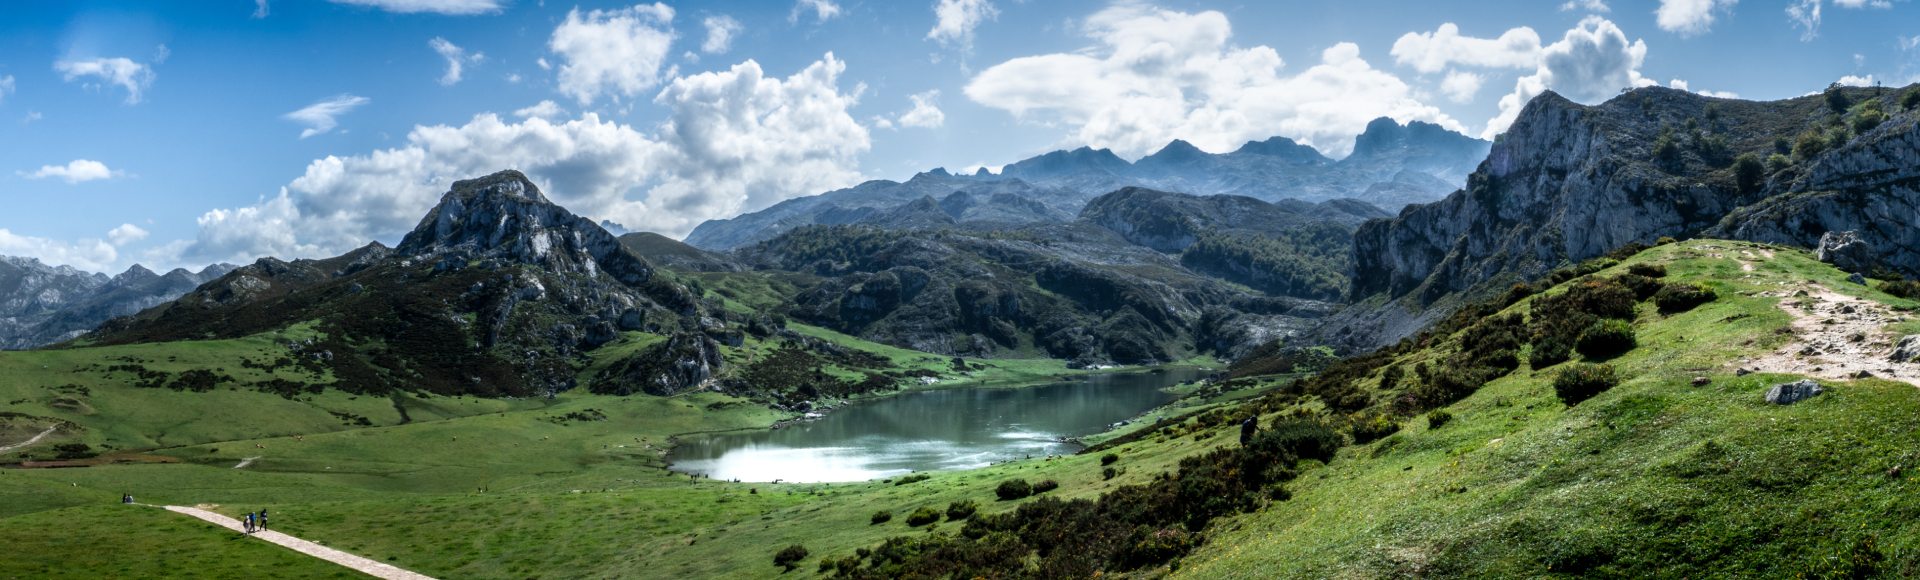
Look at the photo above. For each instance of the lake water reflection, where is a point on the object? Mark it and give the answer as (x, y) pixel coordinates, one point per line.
(944, 429)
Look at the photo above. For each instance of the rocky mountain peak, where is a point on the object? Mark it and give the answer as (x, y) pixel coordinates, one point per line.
(504, 216)
(134, 274)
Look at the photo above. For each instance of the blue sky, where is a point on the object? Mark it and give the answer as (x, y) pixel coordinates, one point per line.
(182, 133)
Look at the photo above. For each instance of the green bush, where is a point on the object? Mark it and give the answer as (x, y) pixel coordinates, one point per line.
(1606, 338)
(1837, 100)
(1675, 298)
(1664, 240)
(1648, 270)
(1642, 286)
(1748, 173)
(1581, 381)
(1549, 350)
(961, 510)
(1390, 378)
(1867, 116)
(790, 555)
(1109, 473)
(923, 516)
(1911, 99)
(1438, 418)
(1045, 486)
(1810, 144)
(881, 517)
(1368, 427)
(915, 478)
(1013, 489)
(1907, 289)
(1109, 459)
(1778, 162)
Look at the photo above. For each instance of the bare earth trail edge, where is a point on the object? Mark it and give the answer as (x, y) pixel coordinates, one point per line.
(363, 565)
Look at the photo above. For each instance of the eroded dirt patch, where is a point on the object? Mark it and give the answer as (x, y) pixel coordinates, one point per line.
(1836, 336)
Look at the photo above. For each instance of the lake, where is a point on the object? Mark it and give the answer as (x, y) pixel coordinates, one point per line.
(929, 430)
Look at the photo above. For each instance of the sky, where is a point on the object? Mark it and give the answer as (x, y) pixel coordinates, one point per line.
(183, 133)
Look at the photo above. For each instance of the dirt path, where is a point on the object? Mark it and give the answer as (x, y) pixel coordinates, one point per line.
(366, 566)
(1836, 336)
(246, 461)
(35, 439)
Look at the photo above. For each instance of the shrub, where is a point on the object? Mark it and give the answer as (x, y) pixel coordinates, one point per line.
(1045, 486)
(1911, 99)
(1549, 350)
(1013, 489)
(1109, 473)
(1605, 298)
(1867, 116)
(1809, 145)
(1674, 298)
(1391, 377)
(1606, 338)
(1368, 427)
(1778, 162)
(923, 516)
(1664, 240)
(790, 555)
(881, 517)
(1907, 289)
(1666, 152)
(1648, 270)
(915, 478)
(1837, 98)
(1109, 459)
(1438, 418)
(961, 510)
(1748, 173)
(1642, 286)
(1580, 382)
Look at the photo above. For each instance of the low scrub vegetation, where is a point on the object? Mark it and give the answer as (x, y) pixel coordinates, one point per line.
(1580, 382)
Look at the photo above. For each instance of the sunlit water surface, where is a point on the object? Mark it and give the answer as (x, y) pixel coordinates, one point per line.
(928, 430)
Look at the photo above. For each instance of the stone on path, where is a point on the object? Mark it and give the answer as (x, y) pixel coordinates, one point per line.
(1794, 392)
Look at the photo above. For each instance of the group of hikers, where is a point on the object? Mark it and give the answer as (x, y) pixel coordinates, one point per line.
(255, 522)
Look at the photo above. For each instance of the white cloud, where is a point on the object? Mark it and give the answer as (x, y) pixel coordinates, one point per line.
(259, 9)
(456, 58)
(1595, 6)
(1430, 52)
(1460, 86)
(1682, 85)
(1590, 63)
(76, 171)
(720, 32)
(125, 234)
(30, 117)
(92, 254)
(1805, 14)
(612, 52)
(548, 110)
(6, 87)
(734, 140)
(1863, 3)
(954, 21)
(823, 10)
(119, 71)
(161, 53)
(1855, 81)
(1689, 17)
(322, 116)
(448, 7)
(925, 112)
(1155, 75)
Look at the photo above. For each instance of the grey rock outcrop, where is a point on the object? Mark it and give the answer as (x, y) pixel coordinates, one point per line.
(1907, 350)
(1794, 392)
(1846, 251)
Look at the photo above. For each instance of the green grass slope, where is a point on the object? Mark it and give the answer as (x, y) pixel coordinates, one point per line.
(1655, 477)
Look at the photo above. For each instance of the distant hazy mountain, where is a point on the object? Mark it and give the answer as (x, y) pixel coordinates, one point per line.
(41, 304)
(1392, 165)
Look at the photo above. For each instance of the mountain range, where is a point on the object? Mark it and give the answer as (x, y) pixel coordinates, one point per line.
(41, 304)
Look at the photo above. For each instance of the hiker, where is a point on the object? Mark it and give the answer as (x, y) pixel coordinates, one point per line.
(126, 498)
(1248, 428)
(248, 523)
(263, 519)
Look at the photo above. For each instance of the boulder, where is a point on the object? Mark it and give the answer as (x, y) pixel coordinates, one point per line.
(1907, 350)
(1845, 250)
(1794, 392)
(1857, 278)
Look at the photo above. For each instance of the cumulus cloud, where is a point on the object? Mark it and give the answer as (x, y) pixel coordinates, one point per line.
(612, 52)
(954, 21)
(322, 116)
(1431, 52)
(720, 32)
(1856, 81)
(1460, 86)
(92, 254)
(125, 234)
(1590, 63)
(448, 7)
(118, 71)
(1154, 75)
(1689, 17)
(1683, 85)
(734, 140)
(1805, 14)
(823, 10)
(1595, 6)
(456, 58)
(925, 112)
(76, 171)
(548, 110)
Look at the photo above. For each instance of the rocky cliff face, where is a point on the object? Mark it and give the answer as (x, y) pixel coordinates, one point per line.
(42, 305)
(1570, 182)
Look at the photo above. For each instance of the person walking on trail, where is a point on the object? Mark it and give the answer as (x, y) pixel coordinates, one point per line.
(1248, 429)
(249, 522)
(263, 519)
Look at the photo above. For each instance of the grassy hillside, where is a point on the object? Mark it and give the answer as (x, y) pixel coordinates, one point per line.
(1657, 476)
